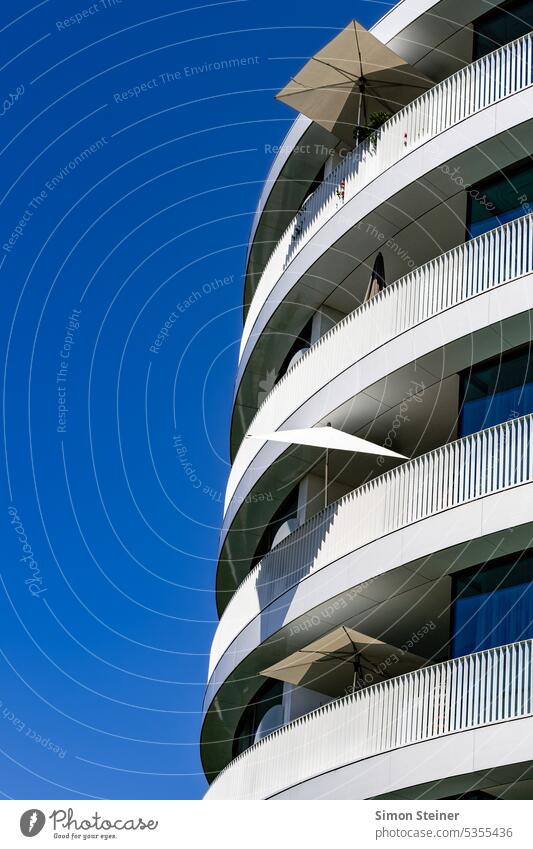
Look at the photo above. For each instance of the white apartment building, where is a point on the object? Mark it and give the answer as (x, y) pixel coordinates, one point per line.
(375, 634)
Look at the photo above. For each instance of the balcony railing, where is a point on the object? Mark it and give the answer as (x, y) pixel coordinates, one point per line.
(471, 269)
(493, 77)
(478, 465)
(468, 692)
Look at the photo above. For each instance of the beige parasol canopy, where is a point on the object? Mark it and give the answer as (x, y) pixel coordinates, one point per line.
(352, 77)
(343, 660)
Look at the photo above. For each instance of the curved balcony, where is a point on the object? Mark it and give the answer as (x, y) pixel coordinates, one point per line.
(480, 465)
(494, 77)
(463, 274)
(366, 179)
(298, 159)
(461, 695)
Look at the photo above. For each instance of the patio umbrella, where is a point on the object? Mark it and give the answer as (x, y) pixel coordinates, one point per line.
(344, 656)
(353, 76)
(329, 438)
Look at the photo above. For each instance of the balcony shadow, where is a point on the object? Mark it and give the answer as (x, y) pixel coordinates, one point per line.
(282, 570)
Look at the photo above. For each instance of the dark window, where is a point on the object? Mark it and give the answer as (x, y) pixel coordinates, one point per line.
(378, 272)
(501, 197)
(492, 605)
(502, 25)
(269, 695)
(471, 794)
(377, 278)
(287, 510)
(315, 184)
(301, 343)
(496, 391)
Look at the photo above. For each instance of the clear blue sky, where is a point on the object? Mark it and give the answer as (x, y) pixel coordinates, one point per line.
(129, 178)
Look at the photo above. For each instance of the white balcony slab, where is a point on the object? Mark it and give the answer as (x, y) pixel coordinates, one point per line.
(406, 732)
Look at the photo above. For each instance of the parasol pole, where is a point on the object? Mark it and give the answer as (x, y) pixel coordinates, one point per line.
(361, 84)
(359, 105)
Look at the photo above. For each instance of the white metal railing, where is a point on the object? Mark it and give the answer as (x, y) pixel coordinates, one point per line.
(477, 266)
(480, 689)
(472, 467)
(491, 78)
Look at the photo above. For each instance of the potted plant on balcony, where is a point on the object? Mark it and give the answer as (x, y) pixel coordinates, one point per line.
(369, 130)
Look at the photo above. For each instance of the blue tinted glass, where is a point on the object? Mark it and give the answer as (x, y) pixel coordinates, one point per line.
(500, 198)
(496, 391)
(502, 25)
(492, 607)
(477, 228)
(494, 409)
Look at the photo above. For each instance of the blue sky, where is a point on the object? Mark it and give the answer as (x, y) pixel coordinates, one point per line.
(129, 177)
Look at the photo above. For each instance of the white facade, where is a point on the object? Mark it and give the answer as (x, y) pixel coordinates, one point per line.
(382, 548)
